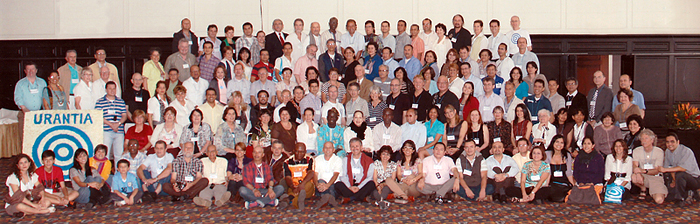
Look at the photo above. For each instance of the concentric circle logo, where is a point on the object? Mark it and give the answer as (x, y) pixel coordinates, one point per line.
(515, 38)
(63, 140)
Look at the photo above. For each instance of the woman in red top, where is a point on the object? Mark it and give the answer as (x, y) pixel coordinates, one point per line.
(522, 126)
(139, 131)
(467, 101)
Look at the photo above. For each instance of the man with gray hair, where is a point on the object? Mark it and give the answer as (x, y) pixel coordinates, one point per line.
(181, 60)
(69, 75)
(186, 180)
(646, 162)
(275, 40)
(304, 62)
(329, 60)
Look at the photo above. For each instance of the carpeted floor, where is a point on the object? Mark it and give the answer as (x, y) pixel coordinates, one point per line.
(165, 211)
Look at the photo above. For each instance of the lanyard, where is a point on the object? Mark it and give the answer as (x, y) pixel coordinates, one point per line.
(260, 171)
(419, 96)
(395, 99)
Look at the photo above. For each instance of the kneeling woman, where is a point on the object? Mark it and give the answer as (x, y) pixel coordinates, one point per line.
(535, 176)
(385, 177)
(87, 181)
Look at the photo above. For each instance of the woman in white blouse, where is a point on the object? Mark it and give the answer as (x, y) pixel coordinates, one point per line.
(619, 166)
(157, 105)
(544, 131)
(358, 128)
(307, 132)
(183, 106)
(244, 59)
(23, 179)
(168, 131)
(84, 97)
(442, 45)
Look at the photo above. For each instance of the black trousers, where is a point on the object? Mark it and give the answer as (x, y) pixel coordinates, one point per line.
(541, 194)
(345, 191)
(684, 183)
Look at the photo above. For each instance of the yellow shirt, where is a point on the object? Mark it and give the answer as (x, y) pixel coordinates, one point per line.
(212, 115)
(105, 170)
(152, 71)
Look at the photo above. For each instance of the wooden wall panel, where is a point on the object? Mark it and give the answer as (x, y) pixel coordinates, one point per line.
(687, 79)
(651, 71)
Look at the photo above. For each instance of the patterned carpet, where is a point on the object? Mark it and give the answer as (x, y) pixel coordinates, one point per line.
(165, 211)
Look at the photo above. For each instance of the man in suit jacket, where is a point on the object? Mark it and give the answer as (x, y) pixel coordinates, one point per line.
(69, 75)
(329, 59)
(574, 98)
(185, 32)
(365, 83)
(275, 40)
(599, 98)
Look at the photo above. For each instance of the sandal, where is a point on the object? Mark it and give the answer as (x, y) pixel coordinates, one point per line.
(515, 200)
(642, 195)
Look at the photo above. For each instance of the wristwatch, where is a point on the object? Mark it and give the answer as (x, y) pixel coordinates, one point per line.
(646, 171)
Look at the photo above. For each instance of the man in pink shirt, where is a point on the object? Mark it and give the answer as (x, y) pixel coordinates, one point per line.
(308, 60)
(437, 170)
(418, 44)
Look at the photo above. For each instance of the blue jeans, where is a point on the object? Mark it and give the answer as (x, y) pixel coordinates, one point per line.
(115, 143)
(152, 188)
(249, 196)
(476, 190)
(330, 190)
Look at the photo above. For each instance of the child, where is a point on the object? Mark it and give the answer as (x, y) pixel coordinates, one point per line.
(101, 163)
(125, 187)
(52, 179)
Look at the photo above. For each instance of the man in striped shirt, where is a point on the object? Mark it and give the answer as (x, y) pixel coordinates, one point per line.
(114, 113)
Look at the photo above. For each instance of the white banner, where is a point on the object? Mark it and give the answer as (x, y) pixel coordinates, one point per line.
(62, 131)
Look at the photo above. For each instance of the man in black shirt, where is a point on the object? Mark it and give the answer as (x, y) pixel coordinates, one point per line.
(459, 36)
(136, 98)
(444, 97)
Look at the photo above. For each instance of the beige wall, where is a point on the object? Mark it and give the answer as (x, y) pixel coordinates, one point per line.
(61, 19)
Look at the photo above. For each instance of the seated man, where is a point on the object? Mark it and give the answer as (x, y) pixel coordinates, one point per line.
(275, 159)
(501, 171)
(125, 186)
(159, 166)
(52, 178)
(215, 172)
(437, 170)
(134, 157)
(186, 178)
(646, 160)
(259, 189)
(472, 183)
(680, 164)
(356, 182)
(298, 175)
(327, 168)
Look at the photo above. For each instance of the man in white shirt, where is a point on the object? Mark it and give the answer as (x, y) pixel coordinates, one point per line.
(510, 101)
(489, 100)
(332, 33)
(413, 130)
(315, 38)
(555, 99)
(501, 171)
(479, 40)
(262, 84)
(523, 56)
(467, 76)
(239, 83)
(247, 40)
(328, 168)
(356, 182)
(437, 170)
(215, 171)
(159, 166)
(428, 36)
(388, 40)
(387, 133)
(196, 87)
(211, 37)
(515, 34)
(298, 39)
(496, 38)
(388, 58)
(464, 57)
(98, 87)
(332, 103)
(311, 100)
(505, 64)
(212, 110)
(352, 38)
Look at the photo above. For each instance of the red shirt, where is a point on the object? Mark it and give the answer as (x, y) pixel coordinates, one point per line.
(142, 136)
(472, 104)
(52, 179)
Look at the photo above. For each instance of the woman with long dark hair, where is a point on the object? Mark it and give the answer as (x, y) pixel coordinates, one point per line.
(410, 170)
(87, 181)
(560, 161)
(24, 181)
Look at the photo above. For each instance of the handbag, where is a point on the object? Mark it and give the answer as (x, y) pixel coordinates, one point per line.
(585, 195)
(613, 193)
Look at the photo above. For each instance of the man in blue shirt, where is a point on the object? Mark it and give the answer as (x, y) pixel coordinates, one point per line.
(114, 112)
(410, 63)
(537, 101)
(28, 94)
(125, 186)
(491, 72)
(638, 97)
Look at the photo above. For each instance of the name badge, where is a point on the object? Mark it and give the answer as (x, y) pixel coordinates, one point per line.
(49, 190)
(366, 72)
(558, 173)
(623, 125)
(497, 139)
(629, 151)
(297, 174)
(194, 139)
(33, 91)
(535, 177)
(189, 42)
(340, 78)
(467, 172)
(568, 103)
(392, 107)
(372, 119)
(387, 136)
(356, 170)
(498, 85)
(111, 112)
(74, 81)
(450, 137)
(487, 109)
(453, 39)
(438, 105)
(437, 167)
(592, 103)
(518, 137)
(414, 106)
(431, 139)
(185, 66)
(259, 180)
(648, 166)
(238, 121)
(619, 181)
(189, 178)
(138, 99)
(298, 120)
(407, 172)
(213, 176)
(534, 118)
(476, 141)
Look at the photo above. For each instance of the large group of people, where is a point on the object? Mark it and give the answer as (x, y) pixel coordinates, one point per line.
(332, 116)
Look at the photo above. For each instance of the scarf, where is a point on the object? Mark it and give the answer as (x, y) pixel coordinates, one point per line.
(586, 157)
(100, 164)
(359, 130)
